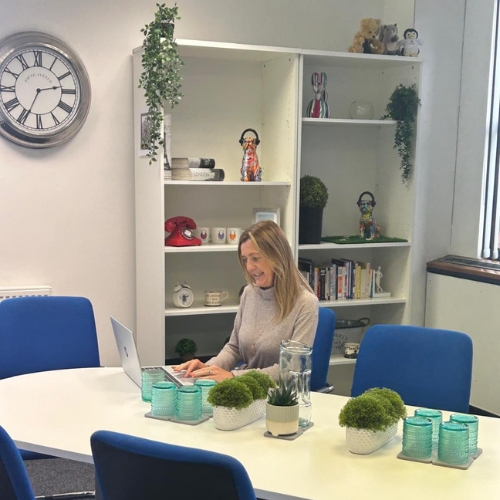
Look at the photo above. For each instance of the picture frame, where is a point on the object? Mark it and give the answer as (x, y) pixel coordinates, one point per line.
(266, 214)
(145, 128)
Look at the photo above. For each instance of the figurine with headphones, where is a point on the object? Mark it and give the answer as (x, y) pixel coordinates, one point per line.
(250, 168)
(367, 226)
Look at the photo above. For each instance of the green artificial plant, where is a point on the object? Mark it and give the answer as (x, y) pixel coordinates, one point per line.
(313, 192)
(402, 107)
(160, 77)
(283, 395)
(376, 410)
(230, 393)
(186, 348)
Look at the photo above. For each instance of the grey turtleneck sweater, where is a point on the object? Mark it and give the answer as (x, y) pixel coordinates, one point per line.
(255, 340)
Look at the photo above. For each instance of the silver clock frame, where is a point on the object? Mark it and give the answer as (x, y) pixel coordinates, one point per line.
(47, 139)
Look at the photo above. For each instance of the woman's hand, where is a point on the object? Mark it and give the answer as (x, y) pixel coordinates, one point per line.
(189, 366)
(212, 372)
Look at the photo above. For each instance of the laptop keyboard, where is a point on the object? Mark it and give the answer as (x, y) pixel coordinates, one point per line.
(168, 376)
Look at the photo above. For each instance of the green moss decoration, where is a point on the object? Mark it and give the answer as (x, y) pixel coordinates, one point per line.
(160, 77)
(256, 389)
(231, 394)
(186, 347)
(398, 406)
(313, 192)
(402, 107)
(265, 381)
(376, 409)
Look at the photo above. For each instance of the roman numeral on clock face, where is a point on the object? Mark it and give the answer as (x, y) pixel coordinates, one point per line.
(23, 62)
(39, 121)
(69, 91)
(65, 107)
(56, 121)
(10, 105)
(15, 75)
(38, 57)
(23, 116)
(64, 76)
(7, 88)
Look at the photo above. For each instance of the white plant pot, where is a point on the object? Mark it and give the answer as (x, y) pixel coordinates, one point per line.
(364, 441)
(228, 419)
(282, 420)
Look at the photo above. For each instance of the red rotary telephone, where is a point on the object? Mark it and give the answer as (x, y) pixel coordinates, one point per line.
(180, 232)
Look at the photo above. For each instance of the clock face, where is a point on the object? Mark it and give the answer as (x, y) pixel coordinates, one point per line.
(44, 90)
(183, 297)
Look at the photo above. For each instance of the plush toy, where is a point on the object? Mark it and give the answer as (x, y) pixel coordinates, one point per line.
(388, 35)
(365, 40)
(409, 46)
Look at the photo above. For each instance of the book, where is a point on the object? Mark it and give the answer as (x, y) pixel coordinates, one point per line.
(197, 174)
(192, 163)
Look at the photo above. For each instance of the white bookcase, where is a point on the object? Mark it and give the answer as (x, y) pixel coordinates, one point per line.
(228, 88)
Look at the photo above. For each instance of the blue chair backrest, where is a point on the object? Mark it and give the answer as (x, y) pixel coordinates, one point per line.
(130, 468)
(322, 348)
(46, 333)
(14, 480)
(428, 367)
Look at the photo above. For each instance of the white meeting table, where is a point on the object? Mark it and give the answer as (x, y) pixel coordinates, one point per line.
(56, 412)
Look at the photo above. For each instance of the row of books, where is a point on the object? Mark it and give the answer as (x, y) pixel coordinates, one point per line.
(342, 279)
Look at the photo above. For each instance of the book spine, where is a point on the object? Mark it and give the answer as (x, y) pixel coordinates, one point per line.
(199, 174)
(193, 163)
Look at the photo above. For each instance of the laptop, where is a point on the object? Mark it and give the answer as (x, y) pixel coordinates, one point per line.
(130, 358)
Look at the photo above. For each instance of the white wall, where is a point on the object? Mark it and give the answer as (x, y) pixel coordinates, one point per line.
(437, 24)
(67, 217)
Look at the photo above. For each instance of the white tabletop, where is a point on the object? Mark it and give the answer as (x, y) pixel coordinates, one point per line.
(56, 412)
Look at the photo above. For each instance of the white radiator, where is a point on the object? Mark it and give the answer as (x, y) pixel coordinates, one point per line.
(24, 291)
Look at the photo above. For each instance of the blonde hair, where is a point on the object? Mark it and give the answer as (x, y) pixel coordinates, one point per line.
(270, 241)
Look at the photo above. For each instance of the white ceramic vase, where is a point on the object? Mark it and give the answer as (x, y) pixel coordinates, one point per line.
(228, 419)
(365, 441)
(282, 420)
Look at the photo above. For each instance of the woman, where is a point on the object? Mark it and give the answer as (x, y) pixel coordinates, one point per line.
(277, 305)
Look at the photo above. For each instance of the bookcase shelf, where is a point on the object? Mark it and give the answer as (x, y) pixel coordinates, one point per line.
(338, 359)
(350, 156)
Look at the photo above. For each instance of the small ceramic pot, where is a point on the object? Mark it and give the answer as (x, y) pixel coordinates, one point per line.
(282, 420)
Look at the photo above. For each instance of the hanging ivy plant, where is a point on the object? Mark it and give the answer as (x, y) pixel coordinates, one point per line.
(160, 77)
(402, 107)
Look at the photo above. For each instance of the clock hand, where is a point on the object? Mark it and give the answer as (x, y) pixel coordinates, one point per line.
(48, 88)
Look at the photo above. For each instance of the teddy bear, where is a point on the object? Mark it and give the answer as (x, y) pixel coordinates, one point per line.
(365, 40)
(409, 46)
(388, 35)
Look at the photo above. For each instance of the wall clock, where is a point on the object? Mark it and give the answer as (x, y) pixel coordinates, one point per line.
(44, 90)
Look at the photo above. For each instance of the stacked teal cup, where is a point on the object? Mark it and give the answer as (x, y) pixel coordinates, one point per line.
(472, 422)
(163, 399)
(436, 417)
(453, 446)
(417, 437)
(188, 403)
(149, 378)
(205, 385)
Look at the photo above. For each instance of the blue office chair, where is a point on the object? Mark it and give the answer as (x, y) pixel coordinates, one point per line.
(46, 333)
(428, 367)
(130, 468)
(14, 480)
(322, 349)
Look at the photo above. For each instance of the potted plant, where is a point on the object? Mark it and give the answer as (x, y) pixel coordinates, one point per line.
(160, 77)
(371, 419)
(239, 401)
(402, 107)
(313, 198)
(282, 410)
(186, 349)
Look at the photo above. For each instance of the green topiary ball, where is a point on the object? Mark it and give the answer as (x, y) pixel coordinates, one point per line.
(366, 412)
(257, 390)
(398, 407)
(230, 393)
(313, 192)
(265, 381)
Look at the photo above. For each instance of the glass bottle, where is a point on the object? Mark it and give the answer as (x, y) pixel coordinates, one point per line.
(295, 365)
